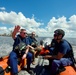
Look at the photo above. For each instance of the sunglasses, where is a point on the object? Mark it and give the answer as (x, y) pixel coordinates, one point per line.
(24, 32)
(55, 35)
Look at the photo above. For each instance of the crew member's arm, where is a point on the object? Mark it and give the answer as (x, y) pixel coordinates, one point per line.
(31, 47)
(26, 51)
(59, 56)
(16, 30)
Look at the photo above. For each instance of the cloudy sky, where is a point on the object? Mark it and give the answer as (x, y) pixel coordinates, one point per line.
(41, 16)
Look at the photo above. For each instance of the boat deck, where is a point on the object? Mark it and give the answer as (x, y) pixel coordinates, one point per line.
(37, 68)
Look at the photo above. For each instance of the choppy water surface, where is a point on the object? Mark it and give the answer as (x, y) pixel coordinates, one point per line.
(7, 42)
(5, 45)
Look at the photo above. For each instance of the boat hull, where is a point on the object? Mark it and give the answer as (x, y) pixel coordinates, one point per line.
(4, 70)
(69, 71)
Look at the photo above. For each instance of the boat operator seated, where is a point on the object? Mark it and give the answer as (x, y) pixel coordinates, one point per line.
(63, 53)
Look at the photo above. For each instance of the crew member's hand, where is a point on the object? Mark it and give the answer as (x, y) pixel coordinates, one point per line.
(27, 47)
(30, 47)
(17, 29)
(24, 56)
(47, 57)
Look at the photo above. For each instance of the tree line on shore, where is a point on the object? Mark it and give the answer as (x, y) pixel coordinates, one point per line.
(5, 34)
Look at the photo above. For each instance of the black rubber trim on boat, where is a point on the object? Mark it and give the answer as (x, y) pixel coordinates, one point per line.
(1, 71)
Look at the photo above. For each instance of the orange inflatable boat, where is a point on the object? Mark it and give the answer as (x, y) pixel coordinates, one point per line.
(69, 71)
(5, 68)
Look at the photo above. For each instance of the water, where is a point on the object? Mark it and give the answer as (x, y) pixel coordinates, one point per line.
(5, 45)
(7, 42)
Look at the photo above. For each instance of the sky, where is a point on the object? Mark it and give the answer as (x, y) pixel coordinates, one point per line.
(41, 16)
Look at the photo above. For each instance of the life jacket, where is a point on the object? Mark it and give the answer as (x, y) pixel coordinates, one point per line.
(21, 47)
(33, 42)
(71, 54)
(53, 43)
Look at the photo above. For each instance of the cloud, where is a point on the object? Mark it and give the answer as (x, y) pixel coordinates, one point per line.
(2, 8)
(69, 26)
(58, 23)
(18, 19)
(3, 30)
(72, 22)
(30, 24)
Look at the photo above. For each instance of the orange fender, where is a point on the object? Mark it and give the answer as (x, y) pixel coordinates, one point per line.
(4, 65)
(69, 71)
